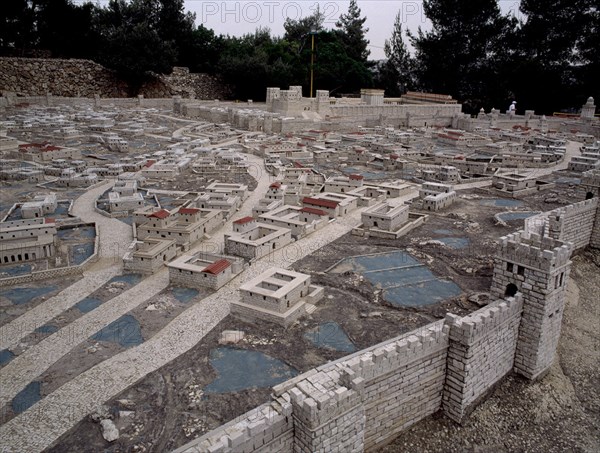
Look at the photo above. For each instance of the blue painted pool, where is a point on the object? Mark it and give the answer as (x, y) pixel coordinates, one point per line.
(27, 397)
(88, 304)
(62, 209)
(132, 279)
(567, 180)
(330, 335)
(366, 174)
(16, 270)
(240, 369)
(455, 242)
(6, 356)
(501, 202)
(85, 232)
(47, 328)
(19, 296)
(444, 232)
(125, 331)
(405, 281)
(81, 252)
(127, 220)
(184, 295)
(506, 216)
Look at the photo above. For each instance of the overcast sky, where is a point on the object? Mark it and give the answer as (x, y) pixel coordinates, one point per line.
(238, 17)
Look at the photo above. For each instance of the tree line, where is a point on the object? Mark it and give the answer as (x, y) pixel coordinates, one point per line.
(548, 61)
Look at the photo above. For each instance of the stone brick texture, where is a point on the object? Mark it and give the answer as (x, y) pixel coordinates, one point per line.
(85, 78)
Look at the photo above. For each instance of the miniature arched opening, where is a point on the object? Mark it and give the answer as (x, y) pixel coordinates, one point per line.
(511, 290)
(589, 195)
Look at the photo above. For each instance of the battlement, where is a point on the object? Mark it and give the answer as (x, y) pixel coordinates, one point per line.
(484, 321)
(591, 178)
(533, 250)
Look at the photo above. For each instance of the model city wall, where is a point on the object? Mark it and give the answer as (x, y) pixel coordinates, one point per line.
(366, 399)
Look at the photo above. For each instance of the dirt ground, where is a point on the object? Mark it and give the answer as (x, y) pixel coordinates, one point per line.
(169, 407)
(558, 413)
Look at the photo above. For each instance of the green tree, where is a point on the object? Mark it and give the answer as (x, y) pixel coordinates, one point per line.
(558, 54)
(397, 73)
(17, 27)
(77, 40)
(352, 31)
(131, 40)
(458, 55)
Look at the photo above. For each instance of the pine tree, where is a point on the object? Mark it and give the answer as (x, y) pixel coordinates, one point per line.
(459, 55)
(352, 31)
(558, 53)
(397, 72)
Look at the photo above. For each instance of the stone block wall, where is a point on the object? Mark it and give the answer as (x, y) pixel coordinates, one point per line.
(538, 267)
(481, 352)
(77, 78)
(574, 223)
(403, 381)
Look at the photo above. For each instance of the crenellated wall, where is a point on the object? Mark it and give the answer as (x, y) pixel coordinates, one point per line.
(364, 400)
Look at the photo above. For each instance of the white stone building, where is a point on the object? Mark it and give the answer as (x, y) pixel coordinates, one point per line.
(204, 270)
(27, 240)
(277, 295)
(40, 206)
(258, 241)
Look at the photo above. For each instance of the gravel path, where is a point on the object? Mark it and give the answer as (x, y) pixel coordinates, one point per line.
(32, 363)
(12, 333)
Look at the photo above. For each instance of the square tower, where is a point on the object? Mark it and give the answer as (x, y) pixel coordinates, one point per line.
(538, 267)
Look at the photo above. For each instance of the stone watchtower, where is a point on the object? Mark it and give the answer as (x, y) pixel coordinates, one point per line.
(537, 267)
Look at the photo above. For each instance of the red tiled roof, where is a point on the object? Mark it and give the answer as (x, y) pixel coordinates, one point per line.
(50, 148)
(243, 220)
(313, 211)
(275, 185)
(394, 156)
(49, 220)
(356, 177)
(188, 210)
(162, 214)
(298, 165)
(149, 163)
(320, 202)
(217, 267)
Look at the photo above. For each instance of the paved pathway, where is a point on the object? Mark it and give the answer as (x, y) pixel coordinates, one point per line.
(46, 421)
(114, 239)
(26, 367)
(12, 333)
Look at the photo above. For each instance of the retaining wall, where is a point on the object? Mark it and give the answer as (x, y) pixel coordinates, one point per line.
(76, 78)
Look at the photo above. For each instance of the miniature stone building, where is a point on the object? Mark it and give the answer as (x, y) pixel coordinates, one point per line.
(277, 295)
(41, 206)
(294, 218)
(583, 163)
(258, 240)
(204, 270)
(27, 240)
(334, 204)
(150, 255)
(343, 184)
(384, 217)
(435, 196)
(185, 226)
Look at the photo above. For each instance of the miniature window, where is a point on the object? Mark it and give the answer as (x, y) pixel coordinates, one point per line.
(520, 270)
